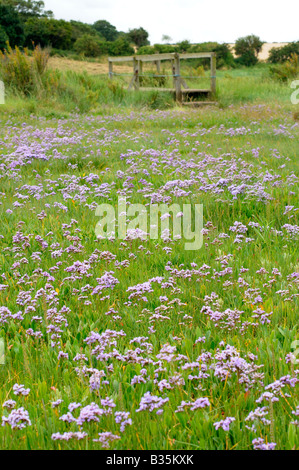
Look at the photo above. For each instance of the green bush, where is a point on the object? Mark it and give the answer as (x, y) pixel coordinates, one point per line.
(248, 59)
(184, 46)
(23, 72)
(286, 71)
(90, 46)
(120, 47)
(224, 56)
(146, 50)
(282, 54)
(164, 49)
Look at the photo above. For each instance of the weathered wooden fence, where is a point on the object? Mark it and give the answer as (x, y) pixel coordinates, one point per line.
(180, 88)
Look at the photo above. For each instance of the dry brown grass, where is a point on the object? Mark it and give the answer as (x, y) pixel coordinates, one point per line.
(93, 68)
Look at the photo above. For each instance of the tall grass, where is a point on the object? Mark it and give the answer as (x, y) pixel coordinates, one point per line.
(33, 87)
(23, 72)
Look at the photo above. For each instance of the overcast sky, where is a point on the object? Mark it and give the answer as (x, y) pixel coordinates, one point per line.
(195, 20)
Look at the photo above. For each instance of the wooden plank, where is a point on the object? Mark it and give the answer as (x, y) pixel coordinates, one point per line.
(155, 57)
(169, 90)
(172, 90)
(185, 85)
(166, 56)
(196, 90)
(121, 59)
(197, 55)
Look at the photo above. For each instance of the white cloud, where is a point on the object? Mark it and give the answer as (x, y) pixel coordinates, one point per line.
(196, 20)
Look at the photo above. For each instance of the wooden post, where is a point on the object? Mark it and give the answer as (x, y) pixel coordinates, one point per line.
(178, 89)
(110, 70)
(140, 69)
(158, 65)
(136, 74)
(173, 72)
(213, 73)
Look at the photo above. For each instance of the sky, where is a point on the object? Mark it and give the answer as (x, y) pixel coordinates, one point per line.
(195, 20)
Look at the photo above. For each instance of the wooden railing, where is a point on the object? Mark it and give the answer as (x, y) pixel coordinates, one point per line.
(180, 87)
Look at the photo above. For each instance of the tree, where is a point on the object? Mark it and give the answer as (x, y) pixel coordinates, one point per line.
(28, 8)
(107, 30)
(165, 38)
(139, 37)
(11, 24)
(184, 45)
(248, 48)
(3, 38)
(79, 29)
(248, 59)
(223, 55)
(48, 32)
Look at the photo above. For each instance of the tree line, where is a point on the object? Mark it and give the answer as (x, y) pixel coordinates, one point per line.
(25, 23)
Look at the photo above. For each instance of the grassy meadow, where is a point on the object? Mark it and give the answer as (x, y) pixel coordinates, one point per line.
(139, 343)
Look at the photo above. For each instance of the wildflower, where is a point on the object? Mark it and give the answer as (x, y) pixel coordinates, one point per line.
(17, 419)
(224, 424)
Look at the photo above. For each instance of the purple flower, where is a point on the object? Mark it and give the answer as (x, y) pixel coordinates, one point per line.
(17, 419)
(224, 424)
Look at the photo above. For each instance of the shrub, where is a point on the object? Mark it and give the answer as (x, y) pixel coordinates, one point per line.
(164, 48)
(224, 56)
(286, 71)
(248, 59)
(146, 50)
(120, 47)
(90, 46)
(204, 47)
(22, 72)
(282, 54)
(184, 46)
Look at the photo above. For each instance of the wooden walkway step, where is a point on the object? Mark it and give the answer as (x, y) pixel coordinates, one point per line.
(172, 90)
(197, 104)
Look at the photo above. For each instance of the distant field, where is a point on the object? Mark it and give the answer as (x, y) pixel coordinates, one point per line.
(91, 67)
